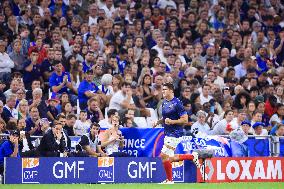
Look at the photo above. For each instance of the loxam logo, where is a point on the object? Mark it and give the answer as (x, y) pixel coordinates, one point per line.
(244, 169)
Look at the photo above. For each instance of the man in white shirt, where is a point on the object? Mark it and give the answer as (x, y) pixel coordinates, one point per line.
(122, 99)
(93, 11)
(159, 47)
(164, 3)
(204, 96)
(6, 64)
(109, 8)
(241, 69)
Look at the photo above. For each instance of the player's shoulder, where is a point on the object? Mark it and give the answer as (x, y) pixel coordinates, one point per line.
(177, 100)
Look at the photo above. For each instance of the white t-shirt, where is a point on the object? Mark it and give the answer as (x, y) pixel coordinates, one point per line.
(104, 123)
(204, 99)
(81, 128)
(200, 128)
(116, 100)
(219, 128)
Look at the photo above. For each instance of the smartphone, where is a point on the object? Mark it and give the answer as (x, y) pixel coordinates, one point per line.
(212, 108)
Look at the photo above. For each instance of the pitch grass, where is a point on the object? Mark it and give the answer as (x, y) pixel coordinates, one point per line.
(267, 185)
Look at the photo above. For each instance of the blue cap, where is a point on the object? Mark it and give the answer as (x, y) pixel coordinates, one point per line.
(246, 123)
(258, 124)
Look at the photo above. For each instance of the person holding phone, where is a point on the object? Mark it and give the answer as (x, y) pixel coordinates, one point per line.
(113, 139)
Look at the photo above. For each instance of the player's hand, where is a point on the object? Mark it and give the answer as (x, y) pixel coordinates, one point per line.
(155, 124)
(168, 121)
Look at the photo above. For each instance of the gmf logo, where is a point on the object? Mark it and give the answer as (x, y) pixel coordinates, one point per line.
(30, 167)
(178, 171)
(105, 169)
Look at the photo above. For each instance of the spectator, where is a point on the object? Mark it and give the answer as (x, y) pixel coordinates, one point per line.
(9, 148)
(204, 96)
(128, 119)
(200, 126)
(258, 129)
(69, 126)
(9, 112)
(55, 143)
(6, 64)
(221, 127)
(279, 130)
(38, 102)
(90, 143)
(278, 117)
(122, 99)
(60, 81)
(32, 69)
(94, 113)
(82, 125)
(112, 139)
(33, 125)
(87, 89)
(106, 123)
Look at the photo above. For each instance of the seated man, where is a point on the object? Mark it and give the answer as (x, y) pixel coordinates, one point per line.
(9, 112)
(55, 143)
(87, 89)
(9, 148)
(90, 142)
(122, 99)
(59, 80)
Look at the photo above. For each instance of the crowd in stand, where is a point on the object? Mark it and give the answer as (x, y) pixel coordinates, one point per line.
(72, 67)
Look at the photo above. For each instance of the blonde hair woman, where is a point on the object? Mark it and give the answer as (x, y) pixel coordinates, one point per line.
(23, 109)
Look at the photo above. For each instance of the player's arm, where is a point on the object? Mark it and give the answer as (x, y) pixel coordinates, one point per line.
(156, 123)
(181, 121)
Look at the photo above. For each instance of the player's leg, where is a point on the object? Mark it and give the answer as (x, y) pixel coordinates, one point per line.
(191, 157)
(167, 166)
(167, 154)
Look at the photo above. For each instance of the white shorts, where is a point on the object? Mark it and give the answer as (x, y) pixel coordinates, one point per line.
(172, 142)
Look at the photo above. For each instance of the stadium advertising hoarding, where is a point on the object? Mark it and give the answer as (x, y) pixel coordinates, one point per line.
(139, 170)
(145, 142)
(94, 170)
(244, 169)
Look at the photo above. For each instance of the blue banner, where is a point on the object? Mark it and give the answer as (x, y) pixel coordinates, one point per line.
(281, 141)
(94, 170)
(147, 142)
(50, 170)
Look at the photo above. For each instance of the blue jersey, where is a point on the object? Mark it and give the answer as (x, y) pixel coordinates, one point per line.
(173, 110)
(56, 80)
(86, 67)
(83, 87)
(6, 149)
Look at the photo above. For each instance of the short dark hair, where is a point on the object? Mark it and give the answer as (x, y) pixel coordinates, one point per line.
(111, 112)
(125, 84)
(170, 86)
(70, 116)
(94, 125)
